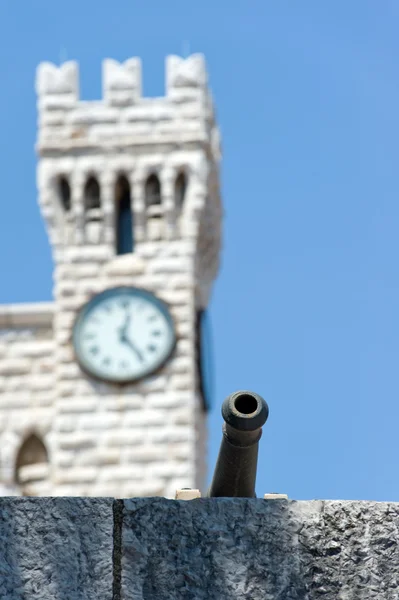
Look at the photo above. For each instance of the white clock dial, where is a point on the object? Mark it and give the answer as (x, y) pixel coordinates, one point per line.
(123, 334)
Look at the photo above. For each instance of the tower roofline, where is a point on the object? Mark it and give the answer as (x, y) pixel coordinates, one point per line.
(123, 117)
(122, 81)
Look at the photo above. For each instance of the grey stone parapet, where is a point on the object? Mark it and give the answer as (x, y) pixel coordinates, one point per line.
(157, 549)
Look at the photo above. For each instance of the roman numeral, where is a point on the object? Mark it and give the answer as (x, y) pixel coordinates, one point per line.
(90, 336)
(94, 350)
(152, 318)
(106, 361)
(151, 348)
(156, 333)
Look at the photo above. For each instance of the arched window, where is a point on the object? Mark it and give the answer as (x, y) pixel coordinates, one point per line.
(92, 194)
(124, 217)
(64, 192)
(32, 462)
(153, 198)
(92, 199)
(180, 190)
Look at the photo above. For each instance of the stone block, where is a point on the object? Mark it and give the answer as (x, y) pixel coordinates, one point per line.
(85, 254)
(98, 422)
(69, 371)
(180, 451)
(116, 473)
(43, 398)
(12, 399)
(45, 365)
(180, 381)
(108, 456)
(166, 400)
(31, 349)
(76, 440)
(76, 474)
(146, 453)
(128, 264)
(168, 469)
(84, 270)
(44, 381)
(155, 383)
(77, 405)
(182, 416)
(168, 434)
(183, 364)
(123, 438)
(146, 418)
(224, 549)
(187, 494)
(170, 265)
(14, 366)
(56, 548)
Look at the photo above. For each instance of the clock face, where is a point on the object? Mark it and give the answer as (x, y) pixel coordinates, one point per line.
(123, 334)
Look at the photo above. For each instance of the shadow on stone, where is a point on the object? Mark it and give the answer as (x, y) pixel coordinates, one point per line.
(208, 549)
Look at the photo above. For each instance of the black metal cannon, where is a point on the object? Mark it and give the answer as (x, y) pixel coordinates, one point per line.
(244, 414)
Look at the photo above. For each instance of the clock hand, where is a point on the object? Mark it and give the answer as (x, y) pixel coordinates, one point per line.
(125, 326)
(125, 340)
(123, 337)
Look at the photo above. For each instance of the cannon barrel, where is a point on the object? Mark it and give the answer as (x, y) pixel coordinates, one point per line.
(244, 414)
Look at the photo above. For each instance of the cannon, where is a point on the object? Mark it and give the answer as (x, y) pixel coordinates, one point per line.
(244, 414)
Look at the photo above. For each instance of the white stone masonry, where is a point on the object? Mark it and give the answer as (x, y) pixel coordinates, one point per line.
(146, 438)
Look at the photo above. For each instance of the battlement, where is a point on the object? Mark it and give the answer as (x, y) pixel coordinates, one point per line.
(123, 116)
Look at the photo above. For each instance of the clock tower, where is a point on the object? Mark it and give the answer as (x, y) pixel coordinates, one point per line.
(129, 191)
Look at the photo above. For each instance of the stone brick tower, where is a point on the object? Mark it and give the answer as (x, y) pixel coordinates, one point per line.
(129, 191)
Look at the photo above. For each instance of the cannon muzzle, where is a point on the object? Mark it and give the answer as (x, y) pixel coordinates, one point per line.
(244, 414)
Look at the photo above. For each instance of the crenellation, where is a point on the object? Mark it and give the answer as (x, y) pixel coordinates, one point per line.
(121, 81)
(123, 116)
(53, 80)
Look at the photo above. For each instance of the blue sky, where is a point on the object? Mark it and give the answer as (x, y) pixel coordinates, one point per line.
(305, 310)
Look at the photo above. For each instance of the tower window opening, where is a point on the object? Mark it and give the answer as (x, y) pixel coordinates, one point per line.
(92, 199)
(180, 190)
(153, 199)
(64, 192)
(31, 464)
(124, 217)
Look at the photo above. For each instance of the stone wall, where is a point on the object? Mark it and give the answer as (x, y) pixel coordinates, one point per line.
(27, 390)
(210, 549)
(145, 439)
(148, 438)
(137, 439)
